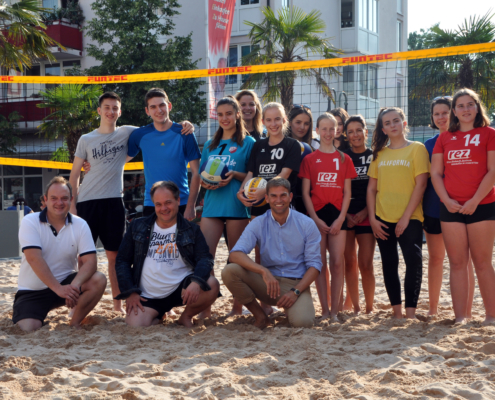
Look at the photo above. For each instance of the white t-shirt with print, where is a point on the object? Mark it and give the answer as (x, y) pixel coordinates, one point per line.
(163, 268)
(59, 252)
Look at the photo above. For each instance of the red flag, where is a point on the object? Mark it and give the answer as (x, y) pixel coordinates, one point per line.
(220, 15)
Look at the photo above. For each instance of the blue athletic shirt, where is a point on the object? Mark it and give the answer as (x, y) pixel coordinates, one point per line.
(165, 157)
(223, 202)
(431, 201)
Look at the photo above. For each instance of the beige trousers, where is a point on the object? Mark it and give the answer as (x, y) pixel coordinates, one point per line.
(246, 286)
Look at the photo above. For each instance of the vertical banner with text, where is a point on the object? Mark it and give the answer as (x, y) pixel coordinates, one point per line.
(220, 15)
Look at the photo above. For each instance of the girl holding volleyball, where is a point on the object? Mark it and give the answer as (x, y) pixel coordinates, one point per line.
(463, 174)
(398, 176)
(358, 225)
(232, 146)
(326, 189)
(440, 114)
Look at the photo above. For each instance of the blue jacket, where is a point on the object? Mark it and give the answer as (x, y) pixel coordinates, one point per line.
(132, 253)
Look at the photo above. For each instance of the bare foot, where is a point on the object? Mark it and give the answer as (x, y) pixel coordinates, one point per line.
(171, 313)
(267, 308)
(117, 306)
(234, 312)
(488, 321)
(460, 321)
(71, 312)
(262, 323)
(357, 310)
(325, 315)
(205, 314)
(397, 316)
(185, 320)
(432, 312)
(334, 319)
(370, 311)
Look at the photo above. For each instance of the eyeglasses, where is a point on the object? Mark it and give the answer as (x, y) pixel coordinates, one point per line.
(442, 97)
(301, 106)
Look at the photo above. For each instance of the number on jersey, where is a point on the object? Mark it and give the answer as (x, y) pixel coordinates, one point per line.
(364, 160)
(475, 140)
(277, 153)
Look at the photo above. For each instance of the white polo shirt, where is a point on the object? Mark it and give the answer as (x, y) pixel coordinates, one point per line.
(58, 250)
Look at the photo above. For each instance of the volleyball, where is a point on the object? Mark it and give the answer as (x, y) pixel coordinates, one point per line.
(305, 149)
(213, 171)
(255, 183)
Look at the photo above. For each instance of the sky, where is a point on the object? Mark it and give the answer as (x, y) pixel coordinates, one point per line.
(450, 13)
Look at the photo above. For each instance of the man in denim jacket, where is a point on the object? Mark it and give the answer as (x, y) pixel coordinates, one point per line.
(164, 262)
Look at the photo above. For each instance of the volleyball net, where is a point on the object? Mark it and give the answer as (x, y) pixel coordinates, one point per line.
(38, 113)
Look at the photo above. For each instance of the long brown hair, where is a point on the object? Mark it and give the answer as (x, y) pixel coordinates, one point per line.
(240, 132)
(331, 117)
(293, 113)
(442, 100)
(257, 120)
(481, 119)
(343, 115)
(380, 140)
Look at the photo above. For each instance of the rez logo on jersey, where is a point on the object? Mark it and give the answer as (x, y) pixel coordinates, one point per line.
(327, 177)
(459, 154)
(267, 168)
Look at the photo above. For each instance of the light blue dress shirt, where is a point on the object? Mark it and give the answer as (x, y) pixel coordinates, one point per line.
(287, 250)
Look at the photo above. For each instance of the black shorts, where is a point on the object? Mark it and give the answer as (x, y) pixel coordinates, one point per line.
(167, 303)
(36, 304)
(257, 211)
(106, 220)
(329, 214)
(298, 205)
(432, 225)
(484, 212)
(359, 230)
(148, 210)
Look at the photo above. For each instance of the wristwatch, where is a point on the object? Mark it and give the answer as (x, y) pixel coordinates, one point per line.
(296, 291)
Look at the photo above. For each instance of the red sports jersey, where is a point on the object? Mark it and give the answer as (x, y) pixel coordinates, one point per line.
(465, 157)
(327, 174)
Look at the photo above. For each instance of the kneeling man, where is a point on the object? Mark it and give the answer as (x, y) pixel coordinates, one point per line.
(164, 262)
(51, 241)
(289, 244)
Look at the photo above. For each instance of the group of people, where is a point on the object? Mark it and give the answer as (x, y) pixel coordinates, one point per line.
(340, 197)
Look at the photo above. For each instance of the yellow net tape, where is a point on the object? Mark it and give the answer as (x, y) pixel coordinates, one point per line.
(253, 69)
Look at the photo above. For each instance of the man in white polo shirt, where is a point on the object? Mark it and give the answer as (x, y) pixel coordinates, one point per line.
(48, 278)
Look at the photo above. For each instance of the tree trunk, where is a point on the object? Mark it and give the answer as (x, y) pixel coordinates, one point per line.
(466, 77)
(72, 139)
(287, 95)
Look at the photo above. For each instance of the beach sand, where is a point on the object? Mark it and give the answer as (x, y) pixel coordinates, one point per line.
(364, 357)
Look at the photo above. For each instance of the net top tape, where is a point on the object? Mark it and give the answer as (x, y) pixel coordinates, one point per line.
(253, 69)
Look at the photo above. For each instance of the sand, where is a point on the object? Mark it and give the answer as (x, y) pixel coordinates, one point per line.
(364, 357)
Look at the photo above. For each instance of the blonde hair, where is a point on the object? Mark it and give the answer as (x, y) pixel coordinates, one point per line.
(274, 104)
(329, 116)
(257, 121)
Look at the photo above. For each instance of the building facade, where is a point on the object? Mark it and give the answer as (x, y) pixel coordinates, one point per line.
(358, 27)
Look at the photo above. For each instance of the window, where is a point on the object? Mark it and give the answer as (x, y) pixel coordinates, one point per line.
(232, 62)
(347, 14)
(50, 4)
(399, 94)
(368, 15)
(348, 78)
(399, 6)
(248, 2)
(368, 81)
(52, 70)
(399, 35)
(245, 50)
(70, 65)
(285, 3)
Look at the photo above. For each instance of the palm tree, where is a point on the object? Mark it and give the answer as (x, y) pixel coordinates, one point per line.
(291, 35)
(444, 75)
(73, 113)
(23, 39)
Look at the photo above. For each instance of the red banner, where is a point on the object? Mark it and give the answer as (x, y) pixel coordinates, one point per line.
(220, 15)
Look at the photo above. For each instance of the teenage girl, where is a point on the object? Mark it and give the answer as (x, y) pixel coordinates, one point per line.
(340, 141)
(358, 224)
(251, 113)
(233, 146)
(326, 176)
(440, 113)
(463, 174)
(275, 156)
(398, 176)
(301, 128)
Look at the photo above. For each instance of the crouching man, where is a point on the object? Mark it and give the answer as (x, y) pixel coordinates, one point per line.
(289, 244)
(51, 241)
(164, 262)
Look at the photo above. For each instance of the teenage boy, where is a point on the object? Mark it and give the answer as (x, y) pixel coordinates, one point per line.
(166, 153)
(98, 200)
(51, 241)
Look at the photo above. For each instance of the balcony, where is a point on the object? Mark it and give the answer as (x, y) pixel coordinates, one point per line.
(69, 36)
